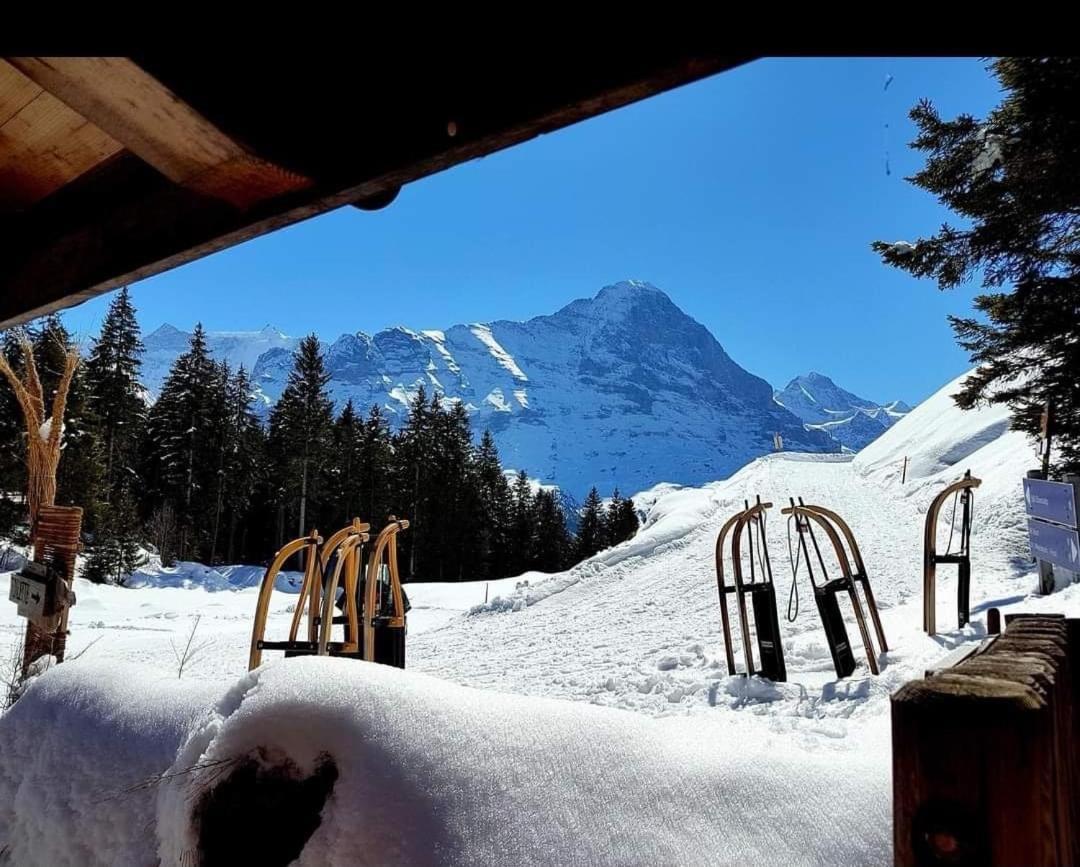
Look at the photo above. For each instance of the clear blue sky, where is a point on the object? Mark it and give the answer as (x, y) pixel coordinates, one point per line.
(751, 198)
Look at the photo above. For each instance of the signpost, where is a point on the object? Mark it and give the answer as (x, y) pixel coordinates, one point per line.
(1051, 501)
(1055, 544)
(1052, 509)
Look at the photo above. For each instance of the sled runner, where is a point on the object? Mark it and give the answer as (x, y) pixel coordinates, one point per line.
(750, 522)
(963, 493)
(825, 593)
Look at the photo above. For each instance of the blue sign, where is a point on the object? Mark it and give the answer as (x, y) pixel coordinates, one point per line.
(1054, 544)
(1051, 501)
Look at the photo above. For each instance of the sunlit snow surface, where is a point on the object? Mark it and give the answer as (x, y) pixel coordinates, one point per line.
(491, 748)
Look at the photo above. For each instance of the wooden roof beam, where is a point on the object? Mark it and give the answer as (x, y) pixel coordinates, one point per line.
(137, 110)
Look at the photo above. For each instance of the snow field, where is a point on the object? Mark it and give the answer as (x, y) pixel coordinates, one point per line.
(508, 740)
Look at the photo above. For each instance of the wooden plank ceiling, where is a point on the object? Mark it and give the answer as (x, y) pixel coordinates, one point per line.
(113, 169)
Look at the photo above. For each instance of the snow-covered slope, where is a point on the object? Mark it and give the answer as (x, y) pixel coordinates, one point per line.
(729, 770)
(824, 406)
(623, 389)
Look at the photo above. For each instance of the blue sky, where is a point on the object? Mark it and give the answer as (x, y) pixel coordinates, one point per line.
(751, 198)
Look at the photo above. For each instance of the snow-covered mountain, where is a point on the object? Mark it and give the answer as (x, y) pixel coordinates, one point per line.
(823, 406)
(161, 347)
(623, 389)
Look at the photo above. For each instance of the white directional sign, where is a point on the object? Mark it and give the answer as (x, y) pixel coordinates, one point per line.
(1054, 544)
(1051, 501)
(28, 594)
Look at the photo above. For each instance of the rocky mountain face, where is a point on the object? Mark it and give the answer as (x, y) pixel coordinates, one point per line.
(851, 420)
(623, 389)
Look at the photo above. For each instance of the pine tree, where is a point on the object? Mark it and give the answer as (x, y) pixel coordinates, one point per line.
(622, 519)
(348, 461)
(301, 437)
(1013, 180)
(244, 462)
(376, 468)
(114, 395)
(494, 550)
(611, 528)
(452, 543)
(522, 527)
(224, 431)
(180, 454)
(413, 447)
(591, 533)
(115, 553)
(553, 543)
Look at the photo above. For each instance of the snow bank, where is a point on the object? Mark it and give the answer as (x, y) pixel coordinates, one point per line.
(427, 772)
(941, 442)
(77, 749)
(934, 436)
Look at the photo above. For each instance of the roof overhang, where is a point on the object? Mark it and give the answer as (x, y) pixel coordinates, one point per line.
(113, 169)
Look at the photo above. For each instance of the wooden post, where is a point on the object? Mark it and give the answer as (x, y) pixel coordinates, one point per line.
(903, 474)
(55, 536)
(1047, 423)
(984, 770)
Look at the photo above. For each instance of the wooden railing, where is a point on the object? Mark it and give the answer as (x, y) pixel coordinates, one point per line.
(984, 768)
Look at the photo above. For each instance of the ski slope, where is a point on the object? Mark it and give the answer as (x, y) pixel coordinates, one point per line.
(586, 716)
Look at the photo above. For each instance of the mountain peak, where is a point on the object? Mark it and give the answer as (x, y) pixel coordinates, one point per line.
(166, 330)
(630, 288)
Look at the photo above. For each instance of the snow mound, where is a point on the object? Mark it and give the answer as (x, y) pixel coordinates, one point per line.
(189, 575)
(78, 750)
(934, 436)
(426, 772)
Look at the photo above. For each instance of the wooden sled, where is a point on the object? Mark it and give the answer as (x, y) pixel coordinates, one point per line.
(825, 593)
(383, 638)
(760, 590)
(323, 560)
(963, 489)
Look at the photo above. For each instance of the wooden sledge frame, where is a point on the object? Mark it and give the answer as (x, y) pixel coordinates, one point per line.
(385, 549)
(737, 524)
(964, 487)
(310, 597)
(807, 514)
(349, 547)
(723, 590)
(311, 543)
(859, 574)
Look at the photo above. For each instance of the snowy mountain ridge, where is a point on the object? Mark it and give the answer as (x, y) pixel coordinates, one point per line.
(622, 389)
(823, 406)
